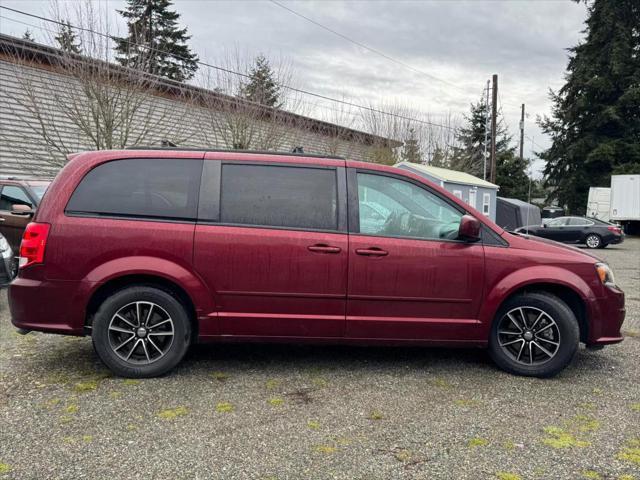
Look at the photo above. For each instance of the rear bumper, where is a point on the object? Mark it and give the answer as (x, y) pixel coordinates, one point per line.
(606, 318)
(616, 240)
(48, 306)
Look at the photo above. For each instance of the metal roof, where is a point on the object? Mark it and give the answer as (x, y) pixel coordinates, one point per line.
(446, 175)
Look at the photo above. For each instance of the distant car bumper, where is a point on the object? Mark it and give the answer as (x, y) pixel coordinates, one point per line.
(606, 318)
(616, 240)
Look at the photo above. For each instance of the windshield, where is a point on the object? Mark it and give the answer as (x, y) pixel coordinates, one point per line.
(39, 190)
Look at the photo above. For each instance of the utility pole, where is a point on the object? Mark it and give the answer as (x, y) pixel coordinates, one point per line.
(521, 131)
(494, 127)
(486, 126)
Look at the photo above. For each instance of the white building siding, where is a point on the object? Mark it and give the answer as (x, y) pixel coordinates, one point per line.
(24, 153)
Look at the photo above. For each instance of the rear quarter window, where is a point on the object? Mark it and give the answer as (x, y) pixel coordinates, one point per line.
(140, 188)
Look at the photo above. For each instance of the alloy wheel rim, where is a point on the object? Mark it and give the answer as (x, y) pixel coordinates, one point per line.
(529, 335)
(141, 332)
(593, 241)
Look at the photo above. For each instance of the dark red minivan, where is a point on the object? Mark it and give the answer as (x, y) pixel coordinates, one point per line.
(148, 251)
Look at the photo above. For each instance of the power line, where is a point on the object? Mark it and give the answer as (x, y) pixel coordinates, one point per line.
(226, 70)
(366, 47)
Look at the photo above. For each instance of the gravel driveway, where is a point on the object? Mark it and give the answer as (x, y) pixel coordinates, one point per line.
(291, 412)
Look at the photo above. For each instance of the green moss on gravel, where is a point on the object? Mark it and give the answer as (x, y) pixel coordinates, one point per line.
(224, 407)
(376, 415)
(313, 425)
(326, 449)
(560, 438)
(85, 387)
(508, 476)
(4, 468)
(173, 413)
(276, 401)
(591, 474)
(630, 452)
(220, 376)
(477, 442)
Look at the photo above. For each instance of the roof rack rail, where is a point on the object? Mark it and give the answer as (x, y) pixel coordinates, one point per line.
(222, 150)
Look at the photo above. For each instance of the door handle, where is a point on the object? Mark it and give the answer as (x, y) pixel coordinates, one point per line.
(324, 249)
(372, 252)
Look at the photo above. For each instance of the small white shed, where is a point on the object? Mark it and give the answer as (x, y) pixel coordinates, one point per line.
(478, 193)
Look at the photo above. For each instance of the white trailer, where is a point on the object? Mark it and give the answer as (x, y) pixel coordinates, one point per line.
(599, 203)
(625, 202)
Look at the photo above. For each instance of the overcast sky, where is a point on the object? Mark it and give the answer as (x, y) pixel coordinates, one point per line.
(456, 45)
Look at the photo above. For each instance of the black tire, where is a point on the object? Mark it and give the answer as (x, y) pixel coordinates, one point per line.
(593, 240)
(556, 312)
(172, 337)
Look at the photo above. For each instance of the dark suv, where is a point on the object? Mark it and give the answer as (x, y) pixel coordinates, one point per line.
(149, 251)
(19, 199)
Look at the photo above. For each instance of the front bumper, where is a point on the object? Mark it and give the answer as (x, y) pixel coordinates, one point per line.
(48, 306)
(606, 318)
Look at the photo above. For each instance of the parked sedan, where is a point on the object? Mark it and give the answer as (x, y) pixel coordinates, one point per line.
(591, 232)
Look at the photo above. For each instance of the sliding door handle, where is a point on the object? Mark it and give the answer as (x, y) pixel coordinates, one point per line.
(324, 249)
(372, 252)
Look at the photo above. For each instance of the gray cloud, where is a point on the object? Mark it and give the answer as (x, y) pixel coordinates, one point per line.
(460, 42)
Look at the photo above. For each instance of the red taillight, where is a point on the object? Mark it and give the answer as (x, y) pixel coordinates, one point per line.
(615, 230)
(34, 241)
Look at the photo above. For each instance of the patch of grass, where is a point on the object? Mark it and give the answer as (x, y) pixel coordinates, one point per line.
(71, 409)
(632, 333)
(559, 438)
(130, 381)
(84, 387)
(320, 382)
(630, 452)
(402, 455)
(635, 407)
(591, 474)
(313, 425)
(376, 415)
(131, 427)
(87, 438)
(509, 445)
(115, 394)
(587, 406)
(272, 384)
(626, 477)
(224, 407)
(4, 468)
(477, 442)
(508, 476)
(276, 401)
(441, 383)
(585, 423)
(220, 376)
(65, 419)
(597, 391)
(326, 449)
(51, 403)
(173, 413)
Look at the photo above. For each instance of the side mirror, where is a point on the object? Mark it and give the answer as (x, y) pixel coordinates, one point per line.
(23, 210)
(469, 229)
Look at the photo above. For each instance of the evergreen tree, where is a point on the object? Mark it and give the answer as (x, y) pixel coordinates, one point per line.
(511, 174)
(262, 86)
(411, 148)
(154, 43)
(28, 36)
(439, 158)
(67, 39)
(595, 122)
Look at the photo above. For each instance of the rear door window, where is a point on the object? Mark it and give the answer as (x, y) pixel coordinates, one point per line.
(140, 188)
(279, 196)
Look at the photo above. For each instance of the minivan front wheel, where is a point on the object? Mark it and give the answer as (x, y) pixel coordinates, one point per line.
(534, 334)
(141, 331)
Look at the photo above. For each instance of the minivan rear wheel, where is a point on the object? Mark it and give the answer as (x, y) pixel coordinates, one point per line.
(534, 334)
(141, 331)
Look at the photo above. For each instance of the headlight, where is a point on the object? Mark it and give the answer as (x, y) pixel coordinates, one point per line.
(605, 274)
